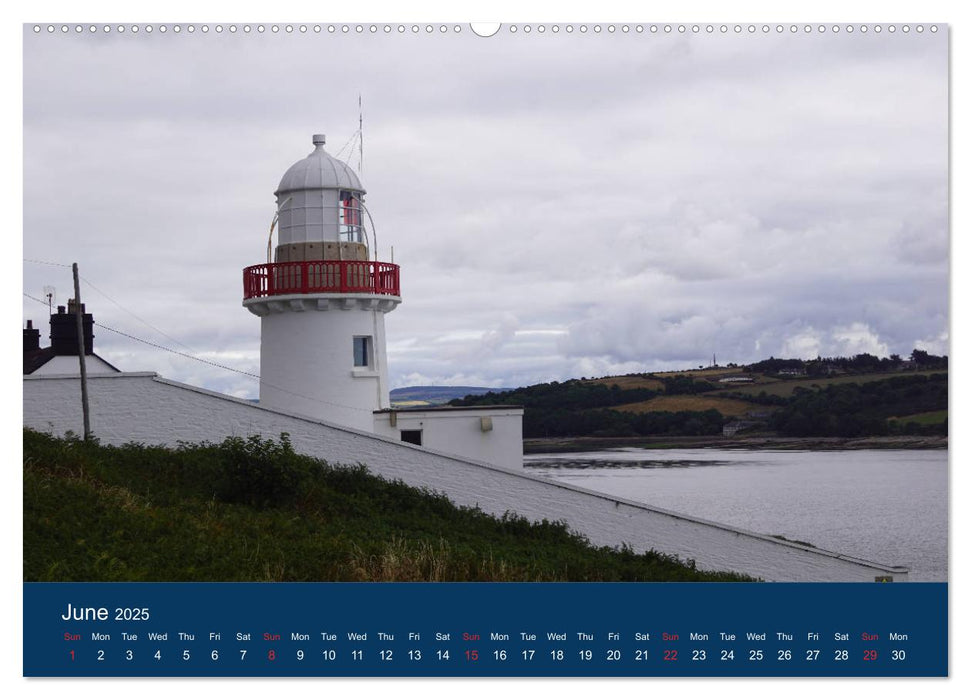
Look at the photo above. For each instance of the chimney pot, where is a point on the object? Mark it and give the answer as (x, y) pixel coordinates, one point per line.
(64, 331)
(31, 338)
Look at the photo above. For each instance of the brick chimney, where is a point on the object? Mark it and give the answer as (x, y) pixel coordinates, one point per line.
(64, 330)
(31, 338)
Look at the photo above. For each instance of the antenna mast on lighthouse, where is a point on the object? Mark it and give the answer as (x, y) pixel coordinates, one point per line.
(360, 129)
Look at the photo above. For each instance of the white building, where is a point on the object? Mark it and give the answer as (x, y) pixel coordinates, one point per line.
(322, 302)
(61, 356)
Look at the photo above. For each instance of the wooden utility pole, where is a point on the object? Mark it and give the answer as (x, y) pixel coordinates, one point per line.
(84, 373)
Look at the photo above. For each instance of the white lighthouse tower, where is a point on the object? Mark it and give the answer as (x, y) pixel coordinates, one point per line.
(322, 299)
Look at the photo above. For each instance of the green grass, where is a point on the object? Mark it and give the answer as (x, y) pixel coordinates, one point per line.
(927, 418)
(253, 510)
(786, 387)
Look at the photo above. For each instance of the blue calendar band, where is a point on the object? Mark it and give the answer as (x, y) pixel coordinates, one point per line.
(479, 629)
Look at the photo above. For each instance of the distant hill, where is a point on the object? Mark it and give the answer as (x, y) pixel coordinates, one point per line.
(435, 395)
(859, 396)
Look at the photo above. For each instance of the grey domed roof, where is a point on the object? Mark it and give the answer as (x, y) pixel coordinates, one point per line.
(319, 170)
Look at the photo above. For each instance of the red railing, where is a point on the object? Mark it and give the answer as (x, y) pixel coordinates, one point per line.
(321, 276)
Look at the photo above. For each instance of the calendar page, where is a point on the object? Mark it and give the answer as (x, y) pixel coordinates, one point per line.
(513, 350)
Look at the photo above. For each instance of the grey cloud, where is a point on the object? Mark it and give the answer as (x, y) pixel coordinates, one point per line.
(646, 200)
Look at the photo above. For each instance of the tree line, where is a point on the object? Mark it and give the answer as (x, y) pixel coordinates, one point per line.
(857, 364)
(576, 407)
(859, 410)
(573, 394)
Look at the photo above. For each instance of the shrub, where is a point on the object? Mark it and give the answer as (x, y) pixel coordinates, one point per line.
(259, 473)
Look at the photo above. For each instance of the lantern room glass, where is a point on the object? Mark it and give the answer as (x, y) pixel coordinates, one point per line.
(349, 217)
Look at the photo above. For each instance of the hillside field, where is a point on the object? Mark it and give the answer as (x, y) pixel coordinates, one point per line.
(785, 387)
(704, 402)
(926, 418)
(634, 381)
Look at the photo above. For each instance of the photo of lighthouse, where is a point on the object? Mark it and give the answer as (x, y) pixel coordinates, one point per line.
(398, 337)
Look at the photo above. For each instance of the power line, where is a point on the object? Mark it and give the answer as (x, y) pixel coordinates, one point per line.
(105, 295)
(229, 369)
(177, 352)
(45, 262)
(160, 347)
(40, 301)
(136, 317)
(184, 354)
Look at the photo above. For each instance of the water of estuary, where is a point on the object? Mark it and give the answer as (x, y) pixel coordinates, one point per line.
(887, 506)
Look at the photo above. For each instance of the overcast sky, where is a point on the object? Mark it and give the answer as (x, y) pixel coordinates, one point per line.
(561, 205)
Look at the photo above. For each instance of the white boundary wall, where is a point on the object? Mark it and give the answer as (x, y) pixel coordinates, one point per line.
(143, 407)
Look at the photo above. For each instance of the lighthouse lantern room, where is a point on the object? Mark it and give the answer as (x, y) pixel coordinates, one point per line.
(322, 299)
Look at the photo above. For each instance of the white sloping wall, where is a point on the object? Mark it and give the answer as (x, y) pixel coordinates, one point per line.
(143, 407)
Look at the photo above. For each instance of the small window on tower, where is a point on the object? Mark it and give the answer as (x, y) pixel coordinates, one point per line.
(362, 351)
